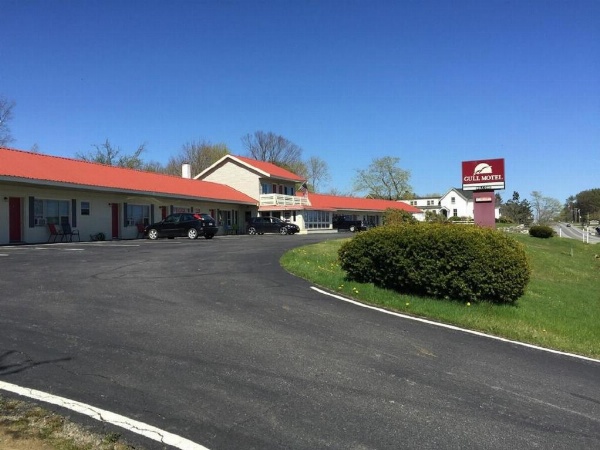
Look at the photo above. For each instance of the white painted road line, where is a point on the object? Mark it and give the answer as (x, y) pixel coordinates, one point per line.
(452, 327)
(134, 426)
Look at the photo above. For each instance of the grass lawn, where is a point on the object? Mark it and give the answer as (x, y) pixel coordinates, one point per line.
(560, 309)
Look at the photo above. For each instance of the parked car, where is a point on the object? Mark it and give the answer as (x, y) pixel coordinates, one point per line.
(346, 223)
(262, 225)
(191, 225)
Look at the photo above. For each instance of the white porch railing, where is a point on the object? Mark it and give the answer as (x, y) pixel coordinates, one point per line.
(282, 200)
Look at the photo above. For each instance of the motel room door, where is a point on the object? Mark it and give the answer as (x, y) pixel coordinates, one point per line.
(14, 219)
(115, 220)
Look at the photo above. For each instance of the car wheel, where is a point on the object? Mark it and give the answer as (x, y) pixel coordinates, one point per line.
(208, 236)
(252, 230)
(283, 230)
(192, 233)
(352, 228)
(153, 234)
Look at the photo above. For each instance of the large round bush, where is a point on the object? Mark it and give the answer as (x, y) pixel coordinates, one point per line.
(460, 262)
(541, 231)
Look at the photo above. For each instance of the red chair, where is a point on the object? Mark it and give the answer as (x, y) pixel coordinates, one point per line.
(55, 233)
(140, 230)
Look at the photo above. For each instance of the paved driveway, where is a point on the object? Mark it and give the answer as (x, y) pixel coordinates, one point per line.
(213, 341)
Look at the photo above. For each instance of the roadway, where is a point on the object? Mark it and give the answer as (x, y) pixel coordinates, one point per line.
(576, 232)
(213, 341)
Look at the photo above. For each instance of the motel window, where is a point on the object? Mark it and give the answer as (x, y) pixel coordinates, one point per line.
(264, 188)
(226, 217)
(85, 208)
(138, 214)
(317, 219)
(371, 220)
(51, 211)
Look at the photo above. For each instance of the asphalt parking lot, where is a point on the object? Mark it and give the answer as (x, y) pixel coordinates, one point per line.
(213, 341)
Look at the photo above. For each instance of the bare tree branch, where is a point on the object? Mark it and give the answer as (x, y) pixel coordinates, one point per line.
(6, 107)
(272, 148)
(109, 155)
(199, 154)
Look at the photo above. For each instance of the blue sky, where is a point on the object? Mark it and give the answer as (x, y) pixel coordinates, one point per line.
(431, 82)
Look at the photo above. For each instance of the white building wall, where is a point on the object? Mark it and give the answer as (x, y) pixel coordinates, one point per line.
(237, 177)
(463, 208)
(99, 219)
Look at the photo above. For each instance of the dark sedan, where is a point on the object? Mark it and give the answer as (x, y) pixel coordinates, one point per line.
(262, 225)
(191, 225)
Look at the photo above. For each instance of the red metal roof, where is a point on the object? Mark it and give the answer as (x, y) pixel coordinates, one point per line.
(271, 169)
(21, 165)
(335, 202)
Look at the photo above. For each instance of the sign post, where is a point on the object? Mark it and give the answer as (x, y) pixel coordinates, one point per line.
(483, 177)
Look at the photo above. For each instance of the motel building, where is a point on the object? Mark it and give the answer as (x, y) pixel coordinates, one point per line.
(37, 190)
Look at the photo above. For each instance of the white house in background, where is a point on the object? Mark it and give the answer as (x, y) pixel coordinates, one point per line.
(454, 203)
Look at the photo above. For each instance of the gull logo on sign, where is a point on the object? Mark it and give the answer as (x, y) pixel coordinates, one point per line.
(483, 174)
(482, 168)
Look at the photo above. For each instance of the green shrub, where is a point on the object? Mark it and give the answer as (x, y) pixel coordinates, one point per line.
(446, 261)
(397, 216)
(541, 231)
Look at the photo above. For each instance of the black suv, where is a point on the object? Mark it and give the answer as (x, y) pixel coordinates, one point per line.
(262, 225)
(191, 225)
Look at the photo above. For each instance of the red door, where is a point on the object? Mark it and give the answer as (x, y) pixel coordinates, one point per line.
(14, 219)
(115, 220)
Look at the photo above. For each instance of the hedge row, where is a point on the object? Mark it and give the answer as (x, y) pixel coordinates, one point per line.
(446, 261)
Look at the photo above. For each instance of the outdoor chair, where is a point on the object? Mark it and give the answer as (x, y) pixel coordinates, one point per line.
(54, 233)
(69, 232)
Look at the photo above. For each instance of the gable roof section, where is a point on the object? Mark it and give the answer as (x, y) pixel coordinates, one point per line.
(263, 168)
(467, 195)
(21, 166)
(335, 202)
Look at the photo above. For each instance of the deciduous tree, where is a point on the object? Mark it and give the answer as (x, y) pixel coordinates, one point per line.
(546, 209)
(6, 107)
(273, 148)
(107, 154)
(384, 179)
(199, 154)
(317, 172)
